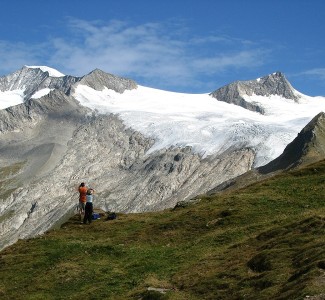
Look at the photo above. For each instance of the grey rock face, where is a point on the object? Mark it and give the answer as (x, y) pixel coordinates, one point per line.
(98, 79)
(274, 84)
(26, 79)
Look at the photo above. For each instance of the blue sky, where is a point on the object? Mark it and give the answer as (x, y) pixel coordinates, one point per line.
(177, 45)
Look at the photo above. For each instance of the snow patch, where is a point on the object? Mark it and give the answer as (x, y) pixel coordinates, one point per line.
(11, 98)
(41, 93)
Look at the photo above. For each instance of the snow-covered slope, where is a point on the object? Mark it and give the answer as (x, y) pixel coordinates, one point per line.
(207, 125)
(172, 119)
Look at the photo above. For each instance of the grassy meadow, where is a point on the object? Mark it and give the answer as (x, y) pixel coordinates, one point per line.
(264, 241)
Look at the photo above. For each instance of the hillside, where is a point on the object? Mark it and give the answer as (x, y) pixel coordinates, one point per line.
(265, 241)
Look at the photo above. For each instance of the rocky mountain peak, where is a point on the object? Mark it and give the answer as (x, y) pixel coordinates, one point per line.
(273, 84)
(98, 80)
(26, 79)
(33, 79)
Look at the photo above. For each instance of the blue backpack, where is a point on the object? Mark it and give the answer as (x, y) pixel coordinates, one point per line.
(95, 216)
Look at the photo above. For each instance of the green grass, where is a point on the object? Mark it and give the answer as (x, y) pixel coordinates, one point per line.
(265, 241)
(8, 182)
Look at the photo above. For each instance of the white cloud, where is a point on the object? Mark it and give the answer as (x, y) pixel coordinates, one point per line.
(317, 72)
(241, 59)
(15, 55)
(141, 50)
(150, 53)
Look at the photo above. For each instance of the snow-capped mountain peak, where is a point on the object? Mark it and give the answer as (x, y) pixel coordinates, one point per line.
(30, 82)
(240, 92)
(52, 72)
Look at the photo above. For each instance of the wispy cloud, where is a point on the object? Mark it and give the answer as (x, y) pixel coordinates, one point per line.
(15, 55)
(315, 73)
(241, 59)
(151, 53)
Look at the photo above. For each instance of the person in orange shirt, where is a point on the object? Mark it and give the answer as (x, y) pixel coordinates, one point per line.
(82, 199)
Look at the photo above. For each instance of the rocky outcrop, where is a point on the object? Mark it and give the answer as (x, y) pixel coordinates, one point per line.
(31, 80)
(306, 148)
(274, 84)
(21, 117)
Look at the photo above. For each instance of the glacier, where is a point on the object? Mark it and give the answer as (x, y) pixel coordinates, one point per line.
(203, 123)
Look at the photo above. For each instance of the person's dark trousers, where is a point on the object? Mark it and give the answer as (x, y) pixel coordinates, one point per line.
(88, 212)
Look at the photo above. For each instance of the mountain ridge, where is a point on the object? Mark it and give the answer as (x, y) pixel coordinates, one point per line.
(33, 79)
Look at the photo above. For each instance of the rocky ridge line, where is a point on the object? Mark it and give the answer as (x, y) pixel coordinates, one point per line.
(31, 80)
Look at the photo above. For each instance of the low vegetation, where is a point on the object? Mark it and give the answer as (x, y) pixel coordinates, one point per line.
(8, 182)
(265, 241)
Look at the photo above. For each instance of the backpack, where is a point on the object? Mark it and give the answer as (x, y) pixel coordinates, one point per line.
(95, 216)
(111, 216)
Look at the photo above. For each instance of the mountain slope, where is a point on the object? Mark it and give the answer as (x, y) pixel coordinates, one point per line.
(262, 242)
(307, 147)
(78, 145)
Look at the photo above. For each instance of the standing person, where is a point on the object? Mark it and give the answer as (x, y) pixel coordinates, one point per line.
(82, 199)
(89, 206)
